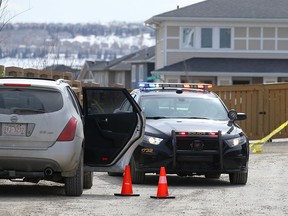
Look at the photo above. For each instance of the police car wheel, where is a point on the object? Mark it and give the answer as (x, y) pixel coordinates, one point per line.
(239, 178)
(88, 180)
(136, 176)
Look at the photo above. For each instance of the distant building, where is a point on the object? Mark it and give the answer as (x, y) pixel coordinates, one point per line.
(125, 72)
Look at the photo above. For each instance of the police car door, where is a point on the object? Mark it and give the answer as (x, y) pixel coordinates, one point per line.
(113, 127)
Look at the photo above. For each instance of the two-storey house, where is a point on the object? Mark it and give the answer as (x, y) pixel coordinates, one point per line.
(223, 42)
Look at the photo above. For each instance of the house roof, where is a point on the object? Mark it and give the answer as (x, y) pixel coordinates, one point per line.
(124, 62)
(115, 64)
(144, 55)
(227, 65)
(61, 68)
(223, 9)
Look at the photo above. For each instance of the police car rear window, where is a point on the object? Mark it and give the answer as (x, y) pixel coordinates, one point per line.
(24, 101)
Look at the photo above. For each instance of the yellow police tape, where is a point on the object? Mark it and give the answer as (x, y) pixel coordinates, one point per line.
(257, 145)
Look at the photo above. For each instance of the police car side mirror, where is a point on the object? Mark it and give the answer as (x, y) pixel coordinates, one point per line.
(241, 116)
(233, 115)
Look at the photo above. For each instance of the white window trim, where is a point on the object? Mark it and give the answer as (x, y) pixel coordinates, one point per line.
(141, 72)
(215, 38)
(133, 73)
(194, 30)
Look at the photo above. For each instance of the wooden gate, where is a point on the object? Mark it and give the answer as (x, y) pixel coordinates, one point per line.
(266, 107)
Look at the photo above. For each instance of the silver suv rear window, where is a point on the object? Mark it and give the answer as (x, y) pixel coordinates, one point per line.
(25, 101)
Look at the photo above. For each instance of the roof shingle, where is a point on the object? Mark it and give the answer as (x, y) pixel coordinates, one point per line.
(238, 9)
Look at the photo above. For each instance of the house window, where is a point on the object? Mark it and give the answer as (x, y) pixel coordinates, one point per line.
(225, 38)
(188, 34)
(206, 38)
(133, 73)
(141, 73)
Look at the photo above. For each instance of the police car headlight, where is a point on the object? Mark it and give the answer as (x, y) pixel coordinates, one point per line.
(236, 141)
(152, 140)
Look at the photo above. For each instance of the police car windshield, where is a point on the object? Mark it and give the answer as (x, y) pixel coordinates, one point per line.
(183, 107)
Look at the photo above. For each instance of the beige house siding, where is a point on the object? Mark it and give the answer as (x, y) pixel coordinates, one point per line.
(261, 38)
(173, 31)
(254, 32)
(269, 45)
(240, 44)
(283, 33)
(254, 44)
(253, 40)
(269, 32)
(173, 44)
(240, 32)
(282, 45)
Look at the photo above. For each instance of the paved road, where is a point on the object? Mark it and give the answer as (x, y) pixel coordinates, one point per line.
(265, 194)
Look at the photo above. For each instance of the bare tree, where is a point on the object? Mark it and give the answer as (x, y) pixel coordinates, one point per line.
(4, 15)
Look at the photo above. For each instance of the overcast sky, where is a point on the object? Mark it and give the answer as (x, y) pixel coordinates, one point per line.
(89, 11)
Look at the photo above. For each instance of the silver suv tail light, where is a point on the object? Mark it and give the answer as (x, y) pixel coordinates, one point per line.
(68, 132)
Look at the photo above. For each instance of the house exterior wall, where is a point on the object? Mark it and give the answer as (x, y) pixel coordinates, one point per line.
(140, 73)
(160, 48)
(101, 78)
(248, 40)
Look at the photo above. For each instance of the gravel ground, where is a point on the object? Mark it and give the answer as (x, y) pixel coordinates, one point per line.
(265, 193)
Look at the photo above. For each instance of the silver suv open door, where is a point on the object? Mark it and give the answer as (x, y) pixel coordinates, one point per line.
(113, 127)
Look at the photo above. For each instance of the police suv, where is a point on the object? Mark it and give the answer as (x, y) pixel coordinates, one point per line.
(189, 131)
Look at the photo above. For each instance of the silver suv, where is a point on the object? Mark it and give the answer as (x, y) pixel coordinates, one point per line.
(46, 135)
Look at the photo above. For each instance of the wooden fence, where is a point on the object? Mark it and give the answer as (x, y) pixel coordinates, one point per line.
(266, 107)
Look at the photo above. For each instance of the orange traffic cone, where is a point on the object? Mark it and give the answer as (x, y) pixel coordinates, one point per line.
(127, 184)
(162, 192)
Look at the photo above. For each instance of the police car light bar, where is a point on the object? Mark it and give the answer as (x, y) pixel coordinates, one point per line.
(175, 85)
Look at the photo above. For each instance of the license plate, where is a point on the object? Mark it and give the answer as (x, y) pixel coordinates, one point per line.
(13, 129)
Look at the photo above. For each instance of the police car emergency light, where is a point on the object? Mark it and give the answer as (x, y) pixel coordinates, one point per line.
(175, 85)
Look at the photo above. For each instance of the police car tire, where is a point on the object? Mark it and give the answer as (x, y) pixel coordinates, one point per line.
(239, 178)
(136, 176)
(88, 180)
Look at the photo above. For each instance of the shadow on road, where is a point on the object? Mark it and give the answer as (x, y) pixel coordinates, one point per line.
(20, 189)
(174, 180)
